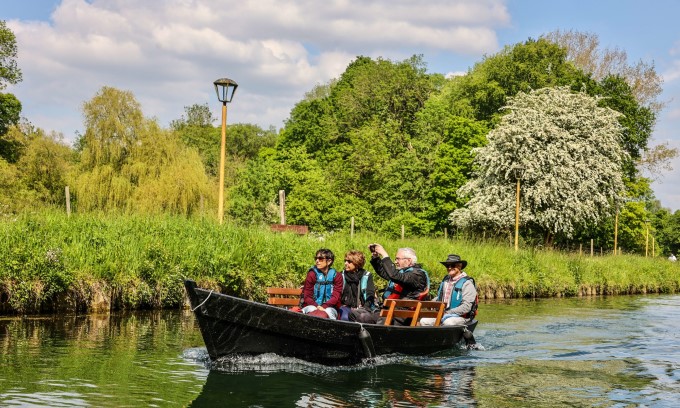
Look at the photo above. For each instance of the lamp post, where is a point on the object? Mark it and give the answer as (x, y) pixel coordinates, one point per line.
(225, 89)
(647, 238)
(616, 230)
(517, 171)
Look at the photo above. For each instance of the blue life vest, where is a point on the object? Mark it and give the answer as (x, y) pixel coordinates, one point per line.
(457, 296)
(363, 284)
(323, 288)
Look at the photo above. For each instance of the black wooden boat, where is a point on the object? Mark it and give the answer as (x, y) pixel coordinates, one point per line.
(232, 326)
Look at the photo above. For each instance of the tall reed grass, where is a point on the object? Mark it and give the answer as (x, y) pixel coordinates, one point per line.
(92, 262)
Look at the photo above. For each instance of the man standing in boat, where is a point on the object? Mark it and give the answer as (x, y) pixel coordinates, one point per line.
(406, 279)
(323, 287)
(458, 292)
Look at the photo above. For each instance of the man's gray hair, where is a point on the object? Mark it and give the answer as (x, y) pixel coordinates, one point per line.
(410, 254)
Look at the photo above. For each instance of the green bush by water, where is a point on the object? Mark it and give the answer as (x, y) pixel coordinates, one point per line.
(87, 262)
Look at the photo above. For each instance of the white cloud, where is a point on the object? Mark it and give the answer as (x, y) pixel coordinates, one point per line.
(168, 52)
(672, 73)
(455, 74)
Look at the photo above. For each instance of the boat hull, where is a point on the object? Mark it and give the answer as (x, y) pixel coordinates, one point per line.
(231, 325)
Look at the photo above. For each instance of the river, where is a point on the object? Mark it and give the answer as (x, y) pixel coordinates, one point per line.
(602, 351)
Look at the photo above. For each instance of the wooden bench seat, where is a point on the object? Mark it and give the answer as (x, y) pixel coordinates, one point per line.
(414, 309)
(284, 297)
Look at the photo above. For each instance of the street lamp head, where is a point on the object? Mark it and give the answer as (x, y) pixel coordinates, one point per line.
(518, 171)
(225, 89)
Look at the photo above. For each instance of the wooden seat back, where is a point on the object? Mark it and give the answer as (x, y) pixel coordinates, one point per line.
(415, 309)
(284, 297)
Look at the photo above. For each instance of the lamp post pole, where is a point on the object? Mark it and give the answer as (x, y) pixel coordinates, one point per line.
(517, 218)
(518, 170)
(223, 148)
(616, 230)
(225, 89)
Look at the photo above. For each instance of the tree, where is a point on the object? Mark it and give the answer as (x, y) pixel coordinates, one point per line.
(10, 107)
(9, 71)
(583, 51)
(637, 120)
(522, 67)
(194, 115)
(129, 163)
(45, 166)
(570, 151)
(113, 123)
(668, 230)
(445, 141)
(195, 129)
(244, 141)
(360, 130)
(35, 172)
(10, 110)
(14, 141)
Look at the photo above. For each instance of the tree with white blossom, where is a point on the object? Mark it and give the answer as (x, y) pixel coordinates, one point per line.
(569, 150)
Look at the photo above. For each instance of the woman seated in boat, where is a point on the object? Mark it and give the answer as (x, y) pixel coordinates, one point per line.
(459, 293)
(359, 290)
(323, 287)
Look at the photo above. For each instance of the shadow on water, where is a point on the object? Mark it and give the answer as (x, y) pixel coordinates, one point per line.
(270, 380)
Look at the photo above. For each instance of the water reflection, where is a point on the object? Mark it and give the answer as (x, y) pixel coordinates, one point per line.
(97, 360)
(271, 380)
(617, 351)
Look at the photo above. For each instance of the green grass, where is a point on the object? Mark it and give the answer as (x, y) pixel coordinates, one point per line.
(50, 262)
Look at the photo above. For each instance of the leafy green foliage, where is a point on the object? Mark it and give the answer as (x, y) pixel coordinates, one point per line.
(637, 121)
(9, 71)
(140, 261)
(38, 171)
(10, 109)
(667, 231)
(522, 67)
(45, 167)
(196, 130)
(130, 163)
(371, 154)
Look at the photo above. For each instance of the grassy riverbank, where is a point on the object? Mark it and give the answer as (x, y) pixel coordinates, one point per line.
(86, 263)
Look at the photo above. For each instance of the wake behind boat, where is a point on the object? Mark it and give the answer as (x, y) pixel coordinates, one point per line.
(231, 325)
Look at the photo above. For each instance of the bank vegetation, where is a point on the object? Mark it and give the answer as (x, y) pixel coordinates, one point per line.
(90, 263)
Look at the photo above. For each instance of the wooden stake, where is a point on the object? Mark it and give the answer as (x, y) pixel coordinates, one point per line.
(282, 206)
(68, 201)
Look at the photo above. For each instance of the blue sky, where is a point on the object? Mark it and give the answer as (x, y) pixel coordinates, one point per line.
(168, 52)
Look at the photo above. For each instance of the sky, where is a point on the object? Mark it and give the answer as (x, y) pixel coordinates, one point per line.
(169, 52)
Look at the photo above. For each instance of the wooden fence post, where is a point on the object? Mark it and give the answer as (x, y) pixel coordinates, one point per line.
(351, 234)
(282, 206)
(446, 233)
(402, 231)
(591, 247)
(68, 201)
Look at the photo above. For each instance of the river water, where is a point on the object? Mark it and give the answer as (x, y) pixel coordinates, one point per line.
(607, 352)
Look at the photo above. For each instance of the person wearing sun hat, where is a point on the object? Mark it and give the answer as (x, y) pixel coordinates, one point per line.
(458, 291)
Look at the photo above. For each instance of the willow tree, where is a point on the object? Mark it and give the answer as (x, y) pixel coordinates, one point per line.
(570, 151)
(129, 163)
